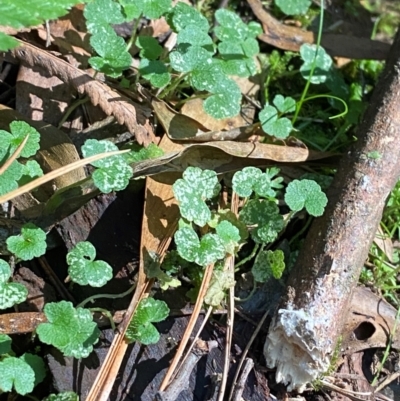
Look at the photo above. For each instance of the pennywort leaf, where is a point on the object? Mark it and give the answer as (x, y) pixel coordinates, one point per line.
(31, 243)
(16, 373)
(250, 179)
(18, 131)
(203, 252)
(306, 194)
(183, 15)
(84, 270)
(264, 218)
(192, 190)
(293, 7)
(323, 63)
(10, 293)
(113, 172)
(154, 71)
(141, 328)
(69, 329)
(65, 396)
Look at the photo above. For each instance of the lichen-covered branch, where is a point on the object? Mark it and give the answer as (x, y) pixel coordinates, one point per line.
(307, 324)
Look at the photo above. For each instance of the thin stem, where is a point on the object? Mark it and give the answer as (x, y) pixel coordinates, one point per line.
(106, 313)
(247, 258)
(305, 90)
(112, 296)
(173, 86)
(132, 40)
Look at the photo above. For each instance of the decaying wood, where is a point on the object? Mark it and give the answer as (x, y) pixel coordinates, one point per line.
(309, 320)
(291, 38)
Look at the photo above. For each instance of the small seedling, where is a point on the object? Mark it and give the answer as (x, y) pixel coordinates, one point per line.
(271, 118)
(69, 329)
(141, 328)
(31, 243)
(84, 270)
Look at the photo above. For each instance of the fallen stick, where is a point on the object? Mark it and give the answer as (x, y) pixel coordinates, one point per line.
(306, 326)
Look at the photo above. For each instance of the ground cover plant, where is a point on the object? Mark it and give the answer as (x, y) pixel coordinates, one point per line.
(238, 218)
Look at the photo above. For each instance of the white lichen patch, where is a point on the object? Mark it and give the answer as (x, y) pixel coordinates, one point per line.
(292, 347)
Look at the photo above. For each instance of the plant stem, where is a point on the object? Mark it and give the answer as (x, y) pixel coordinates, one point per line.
(132, 40)
(112, 296)
(173, 85)
(305, 90)
(107, 314)
(247, 258)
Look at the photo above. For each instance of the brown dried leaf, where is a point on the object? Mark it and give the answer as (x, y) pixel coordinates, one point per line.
(133, 115)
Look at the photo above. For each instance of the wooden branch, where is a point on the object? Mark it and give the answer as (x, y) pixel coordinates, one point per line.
(307, 324)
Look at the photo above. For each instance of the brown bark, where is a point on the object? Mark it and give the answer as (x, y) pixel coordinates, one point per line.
(306, 326)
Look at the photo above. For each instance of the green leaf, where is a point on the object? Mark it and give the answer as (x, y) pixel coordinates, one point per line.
(284, 104)
(274, 126)
(10, 293)
(254, 29)
(113, 173)
(84, 270)
(114, 57)
(227, 215)
(11, 141)
(229, 234)
(15, 372)
(38, 366)
(9, 179)
(183, 15)
(230, 27)
(141, 328)
(211, 249)
(268, 264)
(153, 270)
(25, 13)
(70, 330)
(308, 194)
(251, 179)
(155, 71)
(31, 243)
(203, 252)
(5, 343)
(264, 216)
(186, 58)
(149, 47)
(238, 57)
(30, 170)
(225, 101)
(293, 7)
(139, 153)
(66, 396)
(101, 13)
(220, 282)
(7, 42)
(151, 9)
(192, 190)
(194, 35)
(323, 63)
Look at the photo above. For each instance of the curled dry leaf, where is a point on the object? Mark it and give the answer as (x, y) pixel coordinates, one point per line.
(133, 115)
